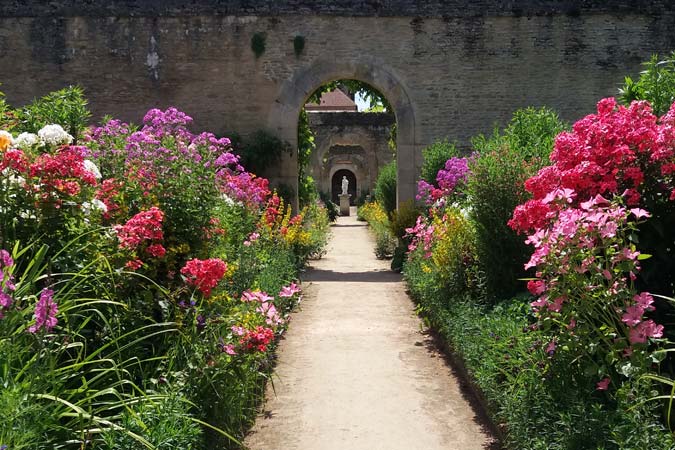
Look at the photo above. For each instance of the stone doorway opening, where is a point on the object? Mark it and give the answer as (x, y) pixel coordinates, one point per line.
(336, 186)
(347, 128)
(288, 120)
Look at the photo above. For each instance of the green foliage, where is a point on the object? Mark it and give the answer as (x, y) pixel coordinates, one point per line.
(298, 45)
(385, 187)
(260, 151)
(435, 156)
(307, 190)
(258, 43)
(66, 107)
(496, 186)
(164, 423)
(656, 85)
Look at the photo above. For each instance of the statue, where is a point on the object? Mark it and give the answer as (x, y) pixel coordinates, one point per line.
(345, 185)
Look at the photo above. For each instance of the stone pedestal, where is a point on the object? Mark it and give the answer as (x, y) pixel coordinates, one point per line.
(344, 204)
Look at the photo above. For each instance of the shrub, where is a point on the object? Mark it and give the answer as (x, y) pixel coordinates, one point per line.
(260, 151)
(656, 85)
(67, 107)
(435, 157)
(495, 188)
(385, 187)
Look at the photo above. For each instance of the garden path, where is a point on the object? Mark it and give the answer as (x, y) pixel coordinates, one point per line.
(355, 371)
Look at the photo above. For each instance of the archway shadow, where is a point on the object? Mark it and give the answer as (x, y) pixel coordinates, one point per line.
(373, 276)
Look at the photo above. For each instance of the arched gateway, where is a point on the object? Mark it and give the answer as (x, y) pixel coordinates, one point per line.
(293, 94)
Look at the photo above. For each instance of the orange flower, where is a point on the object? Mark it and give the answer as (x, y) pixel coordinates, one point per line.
(5, 141)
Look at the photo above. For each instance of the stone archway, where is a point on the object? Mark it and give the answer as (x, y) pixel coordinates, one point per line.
(336, 185)
(294, 92)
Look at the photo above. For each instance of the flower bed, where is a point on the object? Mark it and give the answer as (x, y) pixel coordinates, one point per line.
(145, 278)
(579, 362)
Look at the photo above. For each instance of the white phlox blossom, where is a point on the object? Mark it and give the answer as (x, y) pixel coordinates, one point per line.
(95, 205)
(89, 166)
(54, 135)
(26, 140)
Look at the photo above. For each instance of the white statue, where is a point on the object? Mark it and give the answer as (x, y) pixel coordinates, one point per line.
(345, 185)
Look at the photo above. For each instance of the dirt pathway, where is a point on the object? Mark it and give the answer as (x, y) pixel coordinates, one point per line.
(355, 372)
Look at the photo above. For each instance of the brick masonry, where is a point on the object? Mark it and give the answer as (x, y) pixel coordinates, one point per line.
(450, 68)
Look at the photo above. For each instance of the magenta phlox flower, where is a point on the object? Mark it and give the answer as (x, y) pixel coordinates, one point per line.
(45, 312)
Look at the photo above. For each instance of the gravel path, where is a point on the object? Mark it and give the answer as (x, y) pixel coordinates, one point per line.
(355, 371)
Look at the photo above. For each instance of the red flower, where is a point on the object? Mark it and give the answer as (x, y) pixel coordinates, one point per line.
(204, 274)
(146, 225)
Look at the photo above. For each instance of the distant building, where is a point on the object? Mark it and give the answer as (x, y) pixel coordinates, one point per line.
(334, 101)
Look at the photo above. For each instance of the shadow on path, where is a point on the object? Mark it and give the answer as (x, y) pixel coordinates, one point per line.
(373, 276)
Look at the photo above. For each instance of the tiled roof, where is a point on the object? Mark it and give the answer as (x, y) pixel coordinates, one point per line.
(333, 101)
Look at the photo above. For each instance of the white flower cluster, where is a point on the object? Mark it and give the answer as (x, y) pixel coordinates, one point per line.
(54, 135)
(89, 166)
(95, 205)
(25, 141)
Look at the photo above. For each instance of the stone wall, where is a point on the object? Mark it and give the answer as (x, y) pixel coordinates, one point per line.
(449, 68)
(358, 142)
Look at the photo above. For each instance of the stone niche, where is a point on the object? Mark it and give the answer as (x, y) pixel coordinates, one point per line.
(351, 144)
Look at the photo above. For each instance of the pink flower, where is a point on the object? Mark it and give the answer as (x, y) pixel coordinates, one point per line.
(550, 348)
(633, 315)
(229, 349)
(603, 384)
(645, 330)
(644, 300)
(640, 213)
(557, 304)
(239, 331)
(45, 312)
(289, 291)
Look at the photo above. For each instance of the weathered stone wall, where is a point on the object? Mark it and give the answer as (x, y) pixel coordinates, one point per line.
(358, 142)
(450, 68)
